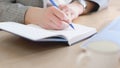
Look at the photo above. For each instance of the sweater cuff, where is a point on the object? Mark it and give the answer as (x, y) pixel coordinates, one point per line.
(15, 13)
(18, 13)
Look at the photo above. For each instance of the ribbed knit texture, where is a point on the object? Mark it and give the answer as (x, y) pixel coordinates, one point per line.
(11, 10)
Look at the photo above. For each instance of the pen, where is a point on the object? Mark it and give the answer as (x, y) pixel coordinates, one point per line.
(54, 4)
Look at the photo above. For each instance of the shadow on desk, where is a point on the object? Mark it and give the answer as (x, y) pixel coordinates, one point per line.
(11, 41)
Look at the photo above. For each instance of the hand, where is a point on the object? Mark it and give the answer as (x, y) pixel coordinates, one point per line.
(48, 18)
(72, 10)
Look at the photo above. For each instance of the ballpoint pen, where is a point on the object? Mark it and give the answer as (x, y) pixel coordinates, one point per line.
(54, 4)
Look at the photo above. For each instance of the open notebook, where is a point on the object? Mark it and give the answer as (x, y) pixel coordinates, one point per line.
(36, 33)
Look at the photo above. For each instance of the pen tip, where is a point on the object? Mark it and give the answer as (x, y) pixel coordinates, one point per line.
(72, 26)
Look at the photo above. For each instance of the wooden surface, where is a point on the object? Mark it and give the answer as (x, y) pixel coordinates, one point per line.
(16, 52)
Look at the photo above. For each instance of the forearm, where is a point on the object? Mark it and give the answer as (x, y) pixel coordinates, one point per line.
(12, 12)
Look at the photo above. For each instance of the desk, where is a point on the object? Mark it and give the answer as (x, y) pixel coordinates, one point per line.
(16, 52)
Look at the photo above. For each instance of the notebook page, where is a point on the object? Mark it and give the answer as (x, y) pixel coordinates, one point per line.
(35, 33)
(70, 33)
(25, 31)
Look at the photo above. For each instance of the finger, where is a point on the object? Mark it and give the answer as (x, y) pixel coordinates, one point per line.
(61, 7)
(49, 25)
(69, 15)
(56, 20)
(52, 22)
(57, 26)
(54, 26)
(74, 15)
(60, 14)
(65, 9)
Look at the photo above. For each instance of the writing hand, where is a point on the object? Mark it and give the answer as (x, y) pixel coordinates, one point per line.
(48, 18)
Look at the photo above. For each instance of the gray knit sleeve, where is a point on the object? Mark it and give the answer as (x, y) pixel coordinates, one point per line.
(12, 12)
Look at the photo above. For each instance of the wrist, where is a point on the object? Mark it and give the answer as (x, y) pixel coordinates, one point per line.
(30, 14)
(27, 15)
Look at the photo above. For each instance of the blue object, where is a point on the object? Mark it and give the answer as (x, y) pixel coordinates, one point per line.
(54, 4)
(110, 33)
